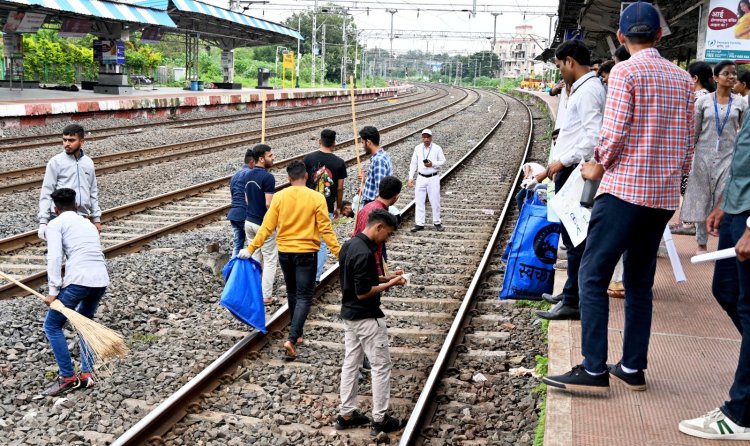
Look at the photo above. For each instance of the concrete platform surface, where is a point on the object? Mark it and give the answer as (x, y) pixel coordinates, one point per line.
(692, 360)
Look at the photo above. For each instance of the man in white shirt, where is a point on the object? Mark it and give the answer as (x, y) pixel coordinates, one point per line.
(578, 137)
(74, 238)
(426, 162)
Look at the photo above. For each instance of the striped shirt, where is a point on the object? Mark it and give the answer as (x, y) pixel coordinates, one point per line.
(647, 139)
(380, 167)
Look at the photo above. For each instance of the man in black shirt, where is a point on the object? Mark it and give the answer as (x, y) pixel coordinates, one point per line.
(366, 331)
(325, 174)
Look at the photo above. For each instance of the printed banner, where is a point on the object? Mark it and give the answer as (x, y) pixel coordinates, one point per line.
(151, 35)
(12, 45)
(23, 22)
(728, 33)
(75, 27)
(567, 207)
(109, 52)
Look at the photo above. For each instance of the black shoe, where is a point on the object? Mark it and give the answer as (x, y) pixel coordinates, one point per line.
(579, 380)
(634, 381)
(389, 424)
(356, 419)
(366, 364)
(561, 312)
(439, 227)
(552, 299)
(62, 386)
(417, 228)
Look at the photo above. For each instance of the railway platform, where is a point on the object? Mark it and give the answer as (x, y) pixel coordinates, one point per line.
(692, 359)
(40, 106)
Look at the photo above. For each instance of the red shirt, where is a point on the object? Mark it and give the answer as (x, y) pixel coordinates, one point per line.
(647, 138)
(361, 223)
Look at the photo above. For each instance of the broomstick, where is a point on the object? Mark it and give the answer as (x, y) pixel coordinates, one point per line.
(103, 343)
(356, 143)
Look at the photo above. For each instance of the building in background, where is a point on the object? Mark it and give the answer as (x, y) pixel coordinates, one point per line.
(517, 54)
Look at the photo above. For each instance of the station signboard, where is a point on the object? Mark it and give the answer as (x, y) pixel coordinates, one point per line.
(728, 32)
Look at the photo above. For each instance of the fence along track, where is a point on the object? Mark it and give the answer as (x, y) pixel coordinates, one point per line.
(418, 325)
(130, 227)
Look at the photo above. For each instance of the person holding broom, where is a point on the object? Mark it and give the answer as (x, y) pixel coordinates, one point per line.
(74, 238)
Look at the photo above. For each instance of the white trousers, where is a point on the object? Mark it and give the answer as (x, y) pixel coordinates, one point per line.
(366, 336)
(267, 255)
(427, 188)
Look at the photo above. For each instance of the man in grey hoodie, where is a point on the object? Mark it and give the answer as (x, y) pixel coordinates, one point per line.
(74, 170)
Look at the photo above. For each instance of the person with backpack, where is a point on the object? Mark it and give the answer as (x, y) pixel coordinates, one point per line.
(325, 174)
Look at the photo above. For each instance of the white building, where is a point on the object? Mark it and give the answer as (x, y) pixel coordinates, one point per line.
(517, 54)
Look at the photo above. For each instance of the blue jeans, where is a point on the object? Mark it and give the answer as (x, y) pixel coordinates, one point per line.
(299, 276)
(618, 227)
(238, 227)
(322, 255)
(731, 287)
(575, 253)
(84, 300)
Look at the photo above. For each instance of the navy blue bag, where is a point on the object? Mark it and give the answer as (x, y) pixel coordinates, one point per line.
(243, 294)
(531, 253)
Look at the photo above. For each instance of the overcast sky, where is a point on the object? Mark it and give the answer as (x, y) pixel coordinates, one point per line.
(406, 19)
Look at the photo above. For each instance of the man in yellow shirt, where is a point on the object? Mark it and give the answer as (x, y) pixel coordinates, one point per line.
(300, 217)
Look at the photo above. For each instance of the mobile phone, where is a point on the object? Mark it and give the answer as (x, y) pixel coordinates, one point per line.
(425, 161)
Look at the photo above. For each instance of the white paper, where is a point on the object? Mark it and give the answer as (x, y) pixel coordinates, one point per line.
(674, 258)
(722, 254)
(566, 204)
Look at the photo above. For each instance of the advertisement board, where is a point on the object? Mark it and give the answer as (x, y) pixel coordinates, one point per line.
(151, 34)
(109, 52)
(728, 33)
(23, 22)
(12, 45)
(75, 27)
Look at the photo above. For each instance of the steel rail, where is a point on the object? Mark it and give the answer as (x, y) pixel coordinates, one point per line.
(424, 404)
(206, 145)
(11, 144)
(187, 399)
(9, 290)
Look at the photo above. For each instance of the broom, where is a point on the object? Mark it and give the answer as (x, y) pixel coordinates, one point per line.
(103, 343)
(356, 142)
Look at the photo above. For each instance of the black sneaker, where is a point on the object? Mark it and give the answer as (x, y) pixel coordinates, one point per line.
(87, 380)
(417, 228)
(62, 386)
(553, 299)
(439, 227)
(634, 381)
(356, 419)
(579, 380)
(389, 424)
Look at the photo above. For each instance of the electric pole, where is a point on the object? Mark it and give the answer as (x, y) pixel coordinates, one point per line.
(299, 31)
(314, 44)
(323, 58)
(343, 58)
(390, 57)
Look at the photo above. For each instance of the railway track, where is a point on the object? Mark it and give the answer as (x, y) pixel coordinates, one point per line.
(129, 227)
(30, 142)
(31, 177)
(249, 392)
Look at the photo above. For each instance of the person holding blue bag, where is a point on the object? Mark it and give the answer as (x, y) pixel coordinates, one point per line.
(578, 136)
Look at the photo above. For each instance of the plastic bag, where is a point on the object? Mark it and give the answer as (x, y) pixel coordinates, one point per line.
(243, 293)
(531, 253)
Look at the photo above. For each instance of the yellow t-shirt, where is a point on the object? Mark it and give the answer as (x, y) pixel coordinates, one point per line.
(300, 215)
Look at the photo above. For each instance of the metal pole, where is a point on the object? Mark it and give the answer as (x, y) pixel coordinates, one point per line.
(299, 56)
(390, 57)
(343, 58)
(323, 58)
(356, 54)
(276, 68)
(314, 43)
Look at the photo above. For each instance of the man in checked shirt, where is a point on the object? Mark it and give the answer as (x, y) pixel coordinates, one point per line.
(645, 144)
(380, 164)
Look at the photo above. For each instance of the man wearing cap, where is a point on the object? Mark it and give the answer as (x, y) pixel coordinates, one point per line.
(576, 141)
(644, 148)
(426, 162)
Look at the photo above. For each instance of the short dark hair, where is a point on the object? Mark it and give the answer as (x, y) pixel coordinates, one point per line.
(575, 49)
(345, 203)
(328, 138)
(296, 170)
(642, 40)
(390, 186)
(260, 150)
(370, 133)
(249, 155)
(622, 53)
(382, 216)
(723, 64)
(596, 61)
(744, 77)
(605, 67)
(703, 72)
(74, 129)
(64, 198)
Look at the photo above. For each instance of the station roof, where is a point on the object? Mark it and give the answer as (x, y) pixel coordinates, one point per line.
(598, 19)
(108, 11)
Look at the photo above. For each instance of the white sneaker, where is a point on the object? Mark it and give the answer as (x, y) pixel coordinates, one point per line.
(714, 426)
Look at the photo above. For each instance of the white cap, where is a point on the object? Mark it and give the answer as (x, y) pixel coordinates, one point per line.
(427, 132)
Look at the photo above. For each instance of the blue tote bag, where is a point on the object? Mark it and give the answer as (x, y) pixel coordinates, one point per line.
(531, 253)
(243, 295)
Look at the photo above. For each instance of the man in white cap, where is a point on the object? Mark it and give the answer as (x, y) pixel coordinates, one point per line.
(426, 162)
